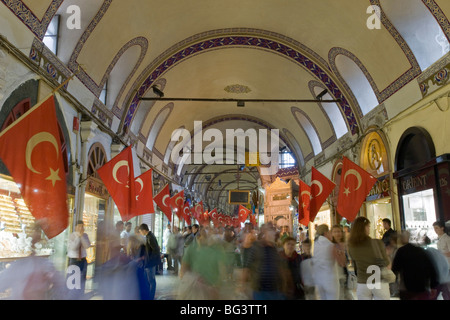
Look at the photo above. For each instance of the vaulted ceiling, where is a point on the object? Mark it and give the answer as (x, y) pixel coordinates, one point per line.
(256, 49)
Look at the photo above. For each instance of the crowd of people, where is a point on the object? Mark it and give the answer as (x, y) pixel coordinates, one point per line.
(252, 263)
(339, 264)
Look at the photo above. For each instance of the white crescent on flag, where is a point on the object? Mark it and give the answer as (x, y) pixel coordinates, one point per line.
(306, 192)
(319, 184)
(164, 200)
(141, 183)
(181, 201)
(120, 164)
(356, 174)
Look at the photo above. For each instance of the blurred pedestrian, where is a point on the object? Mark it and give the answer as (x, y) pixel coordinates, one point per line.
(264, 267)
(202, 270)
(294, 287)
(118, 278)
(229, 245)
(440, 265)
(443, 245)
(136, 253)
(326, 276)
(341, 254)
(152, 257)
(116, 241)
(175, 249)
(391, 251)
(388, 231)
(190, 238)
(361, 250)
(415, 269)
(306, 271)
(248, 238)
(165, 251)
(284, 233)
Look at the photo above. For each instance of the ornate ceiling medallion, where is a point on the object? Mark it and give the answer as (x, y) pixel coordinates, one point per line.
(237, 88)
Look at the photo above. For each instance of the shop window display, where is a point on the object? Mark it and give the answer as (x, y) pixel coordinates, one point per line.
(420, 214)
(94, 211)
(377, 211)
(16, 223)
(322, 217)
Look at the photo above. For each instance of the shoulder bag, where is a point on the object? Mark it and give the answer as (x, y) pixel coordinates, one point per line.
(387, 275)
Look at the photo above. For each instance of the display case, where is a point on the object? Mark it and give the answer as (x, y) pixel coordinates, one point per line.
(16, 224)
(15, 227)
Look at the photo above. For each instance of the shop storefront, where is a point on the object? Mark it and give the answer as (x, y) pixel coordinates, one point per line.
(418, 203)
(378, 204)
(16, 224)
(322, 217)
(424, 194)
(94, 213)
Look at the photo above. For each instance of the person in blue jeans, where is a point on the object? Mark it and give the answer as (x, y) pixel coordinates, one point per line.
(152, 257)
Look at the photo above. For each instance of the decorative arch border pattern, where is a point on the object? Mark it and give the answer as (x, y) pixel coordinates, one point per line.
(260, 41)
(311, 85)
(170, 107)
(85, 78)
(28, 18)
(439, 15)
(294, 110)
(411, 73)
(334, 52)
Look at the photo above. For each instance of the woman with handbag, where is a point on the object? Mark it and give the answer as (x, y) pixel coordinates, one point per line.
(369, 256)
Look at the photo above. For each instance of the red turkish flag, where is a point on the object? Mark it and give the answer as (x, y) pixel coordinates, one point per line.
(31, 150)
(253, 219)
(355, 185)
(187, 213)
(205, 218)
(162, 199)
(243, 213)
(144, 193)
(235, 222)
(214, 215)
(193, 215)
(321, 187)
(117, 174)
(221, 219)
(227, 220)
(198, 211)
(304, 203)
(177, 203)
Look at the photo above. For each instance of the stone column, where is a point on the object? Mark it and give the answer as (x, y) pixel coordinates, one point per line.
(87, 132)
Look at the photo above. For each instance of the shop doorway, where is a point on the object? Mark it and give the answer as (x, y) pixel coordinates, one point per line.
(416, 166)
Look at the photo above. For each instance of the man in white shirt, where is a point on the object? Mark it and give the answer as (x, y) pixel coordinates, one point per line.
(443, 245)
(124, 235)
(76, 251)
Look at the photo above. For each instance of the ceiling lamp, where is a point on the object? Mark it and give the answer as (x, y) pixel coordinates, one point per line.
(158, 92)
(320, 95)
